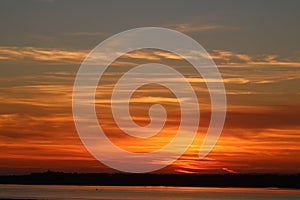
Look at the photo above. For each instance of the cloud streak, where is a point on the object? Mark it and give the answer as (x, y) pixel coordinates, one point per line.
(194, 27)
(222, 57)
(42, 54)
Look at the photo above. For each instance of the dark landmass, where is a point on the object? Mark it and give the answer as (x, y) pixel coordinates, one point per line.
(182, 180)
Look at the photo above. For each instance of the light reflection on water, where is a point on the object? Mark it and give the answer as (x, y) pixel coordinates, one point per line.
(123, 192)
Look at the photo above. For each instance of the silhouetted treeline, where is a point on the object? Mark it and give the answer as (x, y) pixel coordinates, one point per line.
(192, 180)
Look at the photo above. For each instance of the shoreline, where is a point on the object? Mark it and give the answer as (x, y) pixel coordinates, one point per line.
(167, 180)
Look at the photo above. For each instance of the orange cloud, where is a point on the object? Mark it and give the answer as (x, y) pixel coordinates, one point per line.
(229, 170)
(41, 54)
(194, 27)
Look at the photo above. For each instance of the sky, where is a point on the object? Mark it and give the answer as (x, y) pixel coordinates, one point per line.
(255, 45)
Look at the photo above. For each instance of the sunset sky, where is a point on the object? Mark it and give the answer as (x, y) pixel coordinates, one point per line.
(255, 44)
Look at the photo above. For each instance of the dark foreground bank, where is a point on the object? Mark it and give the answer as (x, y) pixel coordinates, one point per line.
(188, 180)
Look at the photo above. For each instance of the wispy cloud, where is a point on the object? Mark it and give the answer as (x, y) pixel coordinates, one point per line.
(231, 57)
(42, 54)
(229, 170)
(221, 57)
(194, 27)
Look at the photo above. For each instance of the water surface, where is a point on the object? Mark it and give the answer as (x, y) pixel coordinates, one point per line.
(58, 192)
